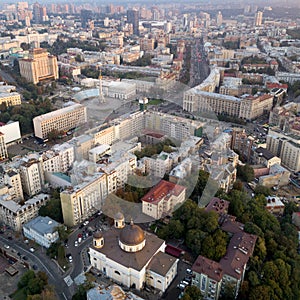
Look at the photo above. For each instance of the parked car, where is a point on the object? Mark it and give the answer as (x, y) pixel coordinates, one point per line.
(86, 222)
(6, 246)
(76, 243)
(32, 250)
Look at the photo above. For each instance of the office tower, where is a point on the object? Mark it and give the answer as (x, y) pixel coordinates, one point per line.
(86, 17)
(219, 19)
(258, 18)
(133, 18)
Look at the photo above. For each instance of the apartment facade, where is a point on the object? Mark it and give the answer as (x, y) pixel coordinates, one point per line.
(13, 179)
(248, 108)
(39, 66)
(15, 215)
(32, 176)
(3, 148)
(162, 199)
(62, 119)
(286, 147)
(10, 99)
(82, 201)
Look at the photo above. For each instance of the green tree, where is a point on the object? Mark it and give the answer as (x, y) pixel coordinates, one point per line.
(53, 210)
(193, 292)
(24, 280)
(245, 172)
(263, 190)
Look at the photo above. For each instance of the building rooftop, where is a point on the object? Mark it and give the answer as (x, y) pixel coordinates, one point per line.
(212, 269)
(163, 190)
(135, 260)
(161, 263)
(42, 225)
(239, 250)
(59, 112)
(218, 205)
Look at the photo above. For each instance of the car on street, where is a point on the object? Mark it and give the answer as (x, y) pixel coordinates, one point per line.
(34, 267)
(6, 246)
(70, 258)
(76, 243)
(31, 249)
(85, 222)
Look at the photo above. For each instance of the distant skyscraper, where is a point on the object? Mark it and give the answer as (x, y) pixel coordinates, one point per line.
(219, 19)
(133, 18)
(258, 18)
(39, 13)
(86, 17)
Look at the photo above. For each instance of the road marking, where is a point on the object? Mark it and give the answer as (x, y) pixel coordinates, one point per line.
(64, 296)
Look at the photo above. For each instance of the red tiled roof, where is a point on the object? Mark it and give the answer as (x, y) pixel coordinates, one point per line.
(163, 190)
(173, 250)
(212, 269)
(218, 205)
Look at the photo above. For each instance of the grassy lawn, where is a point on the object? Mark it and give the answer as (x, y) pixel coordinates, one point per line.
(61, 258)
(155, 101)
(19, 295)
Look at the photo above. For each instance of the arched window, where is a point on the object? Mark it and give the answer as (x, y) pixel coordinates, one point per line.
(117, 272)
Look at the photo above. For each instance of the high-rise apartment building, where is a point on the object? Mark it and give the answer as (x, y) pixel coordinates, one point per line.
(39, 66)
(83, 200)
(219, 19)
(13, 179)
(258, 18)
(86, 17)
(39, 13)
(133, 18)
(3, 148)
(62, 119)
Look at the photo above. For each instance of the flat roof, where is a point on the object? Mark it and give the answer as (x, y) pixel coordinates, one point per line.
(59, 112)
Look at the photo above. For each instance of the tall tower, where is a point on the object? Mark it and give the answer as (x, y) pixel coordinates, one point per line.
(219, 19)
(101, 96)
(258, 18)
(133, 18)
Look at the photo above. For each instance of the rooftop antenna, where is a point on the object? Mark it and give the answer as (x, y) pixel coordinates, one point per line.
(101, 96)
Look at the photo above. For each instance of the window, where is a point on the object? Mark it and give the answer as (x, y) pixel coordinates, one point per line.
(117, 272)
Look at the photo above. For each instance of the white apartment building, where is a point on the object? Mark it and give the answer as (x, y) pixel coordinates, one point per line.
(286, 147)
(83, 200)
(162, 199)
(82, 145)
(10, 99)
(158, 166)
(11, 132)
(62, 119)
(66, 156)
(3, 148)
(32, 176)
(120, 166)
(95, 154)
(248, 107)
(42, 230)
(15, 215)
(13, 179)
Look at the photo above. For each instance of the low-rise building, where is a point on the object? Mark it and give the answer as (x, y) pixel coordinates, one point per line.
(274, 205)
(10, 99)
(42, 230)
(162, 199)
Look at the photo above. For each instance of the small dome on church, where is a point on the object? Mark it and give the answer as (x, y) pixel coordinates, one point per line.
(132, 235)
(98, 235)
(119, 216)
